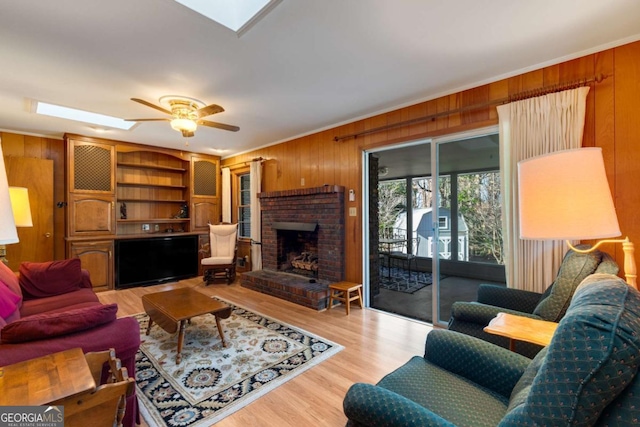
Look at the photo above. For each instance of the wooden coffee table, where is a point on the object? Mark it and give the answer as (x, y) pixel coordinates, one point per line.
(171, 310)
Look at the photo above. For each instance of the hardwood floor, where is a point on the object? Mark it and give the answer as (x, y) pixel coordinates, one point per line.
(375, 344)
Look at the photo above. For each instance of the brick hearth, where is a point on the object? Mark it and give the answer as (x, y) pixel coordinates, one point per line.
(290, 287)
(321, 205)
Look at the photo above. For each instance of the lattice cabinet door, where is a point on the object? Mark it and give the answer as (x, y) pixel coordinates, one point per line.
(91, 188)
(205, 192)
(91, 167)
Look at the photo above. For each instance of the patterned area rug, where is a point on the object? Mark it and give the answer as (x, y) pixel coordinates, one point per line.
(400, 280)
(212, 382)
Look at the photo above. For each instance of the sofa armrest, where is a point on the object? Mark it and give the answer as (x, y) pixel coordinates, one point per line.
(514, 299)
(481, 314)
(370, 405)
(485, 364)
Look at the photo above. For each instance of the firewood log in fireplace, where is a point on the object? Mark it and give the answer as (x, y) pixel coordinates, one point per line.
(306, 261)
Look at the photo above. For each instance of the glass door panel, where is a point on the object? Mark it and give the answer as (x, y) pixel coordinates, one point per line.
(469, 222)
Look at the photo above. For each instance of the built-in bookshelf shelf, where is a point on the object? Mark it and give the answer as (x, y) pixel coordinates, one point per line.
(154, 220)
(128, 200)
(137, 184)
(154, 167)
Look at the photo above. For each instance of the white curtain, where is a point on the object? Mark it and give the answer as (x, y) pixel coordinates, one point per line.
(255, 177)
(226, 195)
(529, 128)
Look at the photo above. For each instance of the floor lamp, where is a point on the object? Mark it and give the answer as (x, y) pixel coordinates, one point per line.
(565, 196)
(8, 232)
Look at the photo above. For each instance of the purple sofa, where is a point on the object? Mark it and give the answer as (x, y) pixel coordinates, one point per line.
(51, 307)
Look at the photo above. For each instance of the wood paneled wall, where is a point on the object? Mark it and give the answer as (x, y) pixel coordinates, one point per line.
(43, 148)
(612, 122)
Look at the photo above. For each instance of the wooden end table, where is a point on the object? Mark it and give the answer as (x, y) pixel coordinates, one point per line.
(45, 379)
(171, 310)
(522, 329)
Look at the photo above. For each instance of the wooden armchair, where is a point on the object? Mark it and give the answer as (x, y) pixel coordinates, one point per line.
(104, 406)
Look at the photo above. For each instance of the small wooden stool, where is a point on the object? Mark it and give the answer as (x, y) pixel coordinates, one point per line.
(341, 291)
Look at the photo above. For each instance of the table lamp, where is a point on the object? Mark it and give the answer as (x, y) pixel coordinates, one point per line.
(21, 209)
(20, 206)
(565, 196)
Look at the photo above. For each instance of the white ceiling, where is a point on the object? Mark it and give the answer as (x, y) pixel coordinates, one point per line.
(307, 65)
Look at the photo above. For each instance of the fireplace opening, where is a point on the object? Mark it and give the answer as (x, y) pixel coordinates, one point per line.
(298, 252)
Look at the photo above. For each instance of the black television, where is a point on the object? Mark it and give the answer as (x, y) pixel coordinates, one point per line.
(154, 260)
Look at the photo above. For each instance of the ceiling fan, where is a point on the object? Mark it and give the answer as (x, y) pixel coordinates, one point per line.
(186, 114)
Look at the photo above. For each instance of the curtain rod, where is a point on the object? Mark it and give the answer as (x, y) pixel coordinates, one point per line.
(511, 98)
(257, 159)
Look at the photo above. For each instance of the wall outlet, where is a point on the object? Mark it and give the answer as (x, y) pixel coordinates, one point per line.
(353, 211)
(156, 227)
(302, 182)
(145, 227)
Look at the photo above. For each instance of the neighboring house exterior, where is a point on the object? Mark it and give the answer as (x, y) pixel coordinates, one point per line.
(423, 233)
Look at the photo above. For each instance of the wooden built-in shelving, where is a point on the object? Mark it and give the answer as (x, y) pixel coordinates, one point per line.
(153, 185)
(118, 191)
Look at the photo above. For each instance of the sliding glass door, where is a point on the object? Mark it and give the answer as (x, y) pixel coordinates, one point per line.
(438, 225)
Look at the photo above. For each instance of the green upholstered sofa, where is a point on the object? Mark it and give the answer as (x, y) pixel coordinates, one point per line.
(471, 317)
(587, 376)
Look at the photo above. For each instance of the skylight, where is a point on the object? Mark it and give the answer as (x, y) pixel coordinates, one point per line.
(81, 116)
(237, 15)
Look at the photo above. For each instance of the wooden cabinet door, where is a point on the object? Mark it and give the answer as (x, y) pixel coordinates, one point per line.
(36, 242)
(91, 215)
(91, 167)
(97, 258)
(205, 211)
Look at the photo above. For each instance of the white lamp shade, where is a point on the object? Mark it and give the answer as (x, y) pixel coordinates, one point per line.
(565, 196)
(20, 206)
(8, 232)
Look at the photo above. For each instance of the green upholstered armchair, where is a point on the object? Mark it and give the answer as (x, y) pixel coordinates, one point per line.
(587, 376)
(471, 317)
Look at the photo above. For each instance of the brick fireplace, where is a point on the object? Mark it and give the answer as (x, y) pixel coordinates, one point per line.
(304, 227)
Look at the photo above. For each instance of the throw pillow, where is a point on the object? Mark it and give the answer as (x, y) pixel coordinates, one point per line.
(10, 279)
(575, 267)
(8, 301)
(45, 279)
(48, 325)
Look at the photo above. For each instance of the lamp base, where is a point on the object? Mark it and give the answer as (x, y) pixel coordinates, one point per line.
(3, 255)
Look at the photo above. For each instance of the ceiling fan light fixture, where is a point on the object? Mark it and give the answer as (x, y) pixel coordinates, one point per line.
(184, 125)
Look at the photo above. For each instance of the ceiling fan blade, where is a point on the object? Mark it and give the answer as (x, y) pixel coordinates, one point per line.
(218, 125)
(209, 110)
(147, 120)
(148, 104)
